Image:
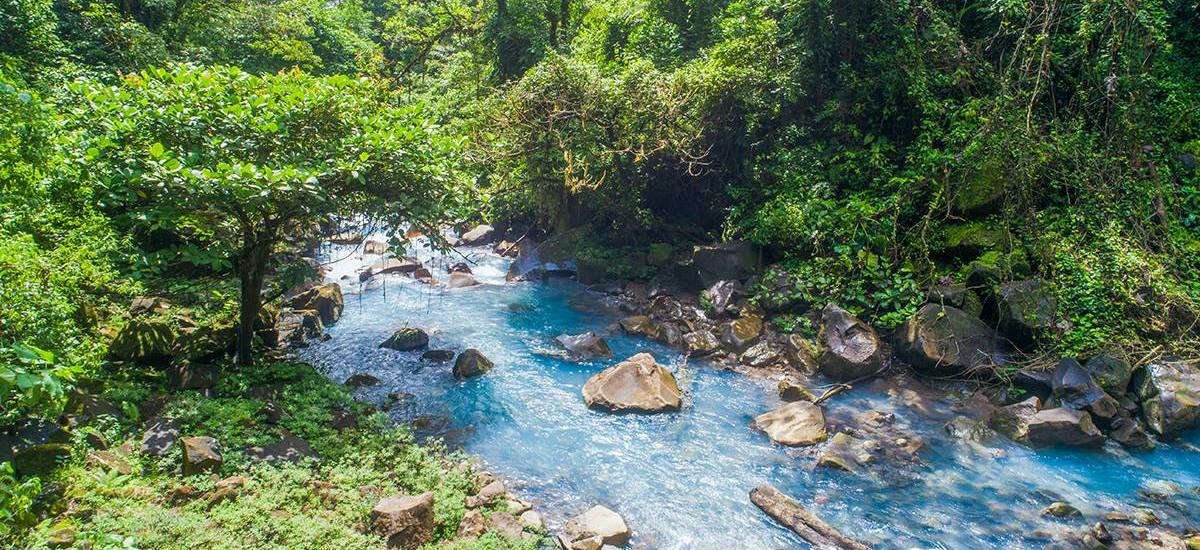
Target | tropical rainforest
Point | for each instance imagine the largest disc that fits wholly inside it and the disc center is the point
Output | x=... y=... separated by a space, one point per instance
x=868 y=150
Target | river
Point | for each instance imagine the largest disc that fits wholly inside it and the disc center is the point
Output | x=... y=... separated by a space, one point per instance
x=681 y=480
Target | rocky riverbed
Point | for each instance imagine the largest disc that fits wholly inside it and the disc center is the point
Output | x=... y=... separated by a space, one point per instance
x=897 y=457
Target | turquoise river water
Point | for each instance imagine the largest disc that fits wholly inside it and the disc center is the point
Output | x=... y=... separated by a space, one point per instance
x=682 y=479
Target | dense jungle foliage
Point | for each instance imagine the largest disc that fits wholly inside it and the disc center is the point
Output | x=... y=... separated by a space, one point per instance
x=870 y=148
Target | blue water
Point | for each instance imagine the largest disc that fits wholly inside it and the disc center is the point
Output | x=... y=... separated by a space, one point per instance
x=682 y=479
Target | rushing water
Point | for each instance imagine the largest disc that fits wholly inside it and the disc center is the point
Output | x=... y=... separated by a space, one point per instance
x=682 y=479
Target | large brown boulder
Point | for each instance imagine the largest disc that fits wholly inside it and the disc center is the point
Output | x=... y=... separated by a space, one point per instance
x=596 y=527
x=796 y=423
x=325 y=299
x=850 y=348
x=641 y=325
x=944 y=340
x=636 y=384
x=1169 y=393
x=404 y=521
x=201 y=454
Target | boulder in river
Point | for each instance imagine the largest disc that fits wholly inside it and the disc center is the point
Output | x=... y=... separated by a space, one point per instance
x=471 y=363
x=597 y=527
x=361 y=379
x=1026 y=308
x=799 y=423
x=635 y=384
x=404 y=521
x=588 y=345
x=407 y=339
x=325 y=299
x=850 y=348
x=1169 y=392
x=479 y=235
x=944 y=340
x=437 y=356
x=386 y=266
x=1025 y=423
x=461 y=280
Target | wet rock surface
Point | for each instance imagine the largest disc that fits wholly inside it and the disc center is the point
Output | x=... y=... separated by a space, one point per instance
x=638 y=384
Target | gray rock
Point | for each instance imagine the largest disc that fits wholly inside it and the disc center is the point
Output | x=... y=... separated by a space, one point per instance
x=597 y=522
x=471 y=363
x=1169 y=392
x=437 y=356
x=407 y=339
x=1026 y=308
x=943 y=340
x=361 y=379
x=402 y=265
x=723 y=294
x=188 y=376
x=798 y=423
x=850 y=348
x=289 y=448
x=462 y=280
x=479 y=235
x=1073 y=387
x=1111 y=372
x=1024 y=423
x=159 y=436
x=588 y=345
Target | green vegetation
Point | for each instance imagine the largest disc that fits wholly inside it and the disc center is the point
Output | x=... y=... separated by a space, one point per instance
x=872 y=149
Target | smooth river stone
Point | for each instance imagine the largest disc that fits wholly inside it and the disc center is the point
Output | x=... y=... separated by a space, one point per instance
x=635 y=384
x=795 y=424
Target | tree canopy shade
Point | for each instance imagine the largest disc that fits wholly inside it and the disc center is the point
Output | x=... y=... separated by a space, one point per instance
x=246 y=160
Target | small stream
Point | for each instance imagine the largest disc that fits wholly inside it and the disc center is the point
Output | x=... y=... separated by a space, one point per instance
x=681 y=480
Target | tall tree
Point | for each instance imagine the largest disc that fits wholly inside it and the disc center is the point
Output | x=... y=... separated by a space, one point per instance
x=244 y=160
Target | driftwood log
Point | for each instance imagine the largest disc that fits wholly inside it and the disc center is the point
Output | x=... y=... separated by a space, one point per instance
x=792 y=515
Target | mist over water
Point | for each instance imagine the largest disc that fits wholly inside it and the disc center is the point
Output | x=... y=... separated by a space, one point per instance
x=681 y=480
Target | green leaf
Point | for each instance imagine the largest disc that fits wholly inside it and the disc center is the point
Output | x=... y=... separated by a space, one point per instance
x=156 y=150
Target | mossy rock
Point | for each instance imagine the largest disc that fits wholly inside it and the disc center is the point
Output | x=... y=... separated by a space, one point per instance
x=659 y=254
x=974 y=238
x=207 y=342
x=37 y=460
x=980 y=190
x=1026 y=308
x=144 y=339
x=407 y=339
x=994 y=266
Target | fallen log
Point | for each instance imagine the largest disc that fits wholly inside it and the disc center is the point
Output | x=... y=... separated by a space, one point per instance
x=792 y=515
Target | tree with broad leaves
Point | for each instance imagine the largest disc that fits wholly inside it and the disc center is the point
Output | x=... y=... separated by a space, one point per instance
x=248 y=160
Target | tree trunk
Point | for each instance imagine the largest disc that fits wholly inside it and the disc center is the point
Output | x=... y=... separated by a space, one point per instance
x=252 y=267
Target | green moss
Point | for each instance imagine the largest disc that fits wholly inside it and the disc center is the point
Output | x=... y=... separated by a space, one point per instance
x=975 y=238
